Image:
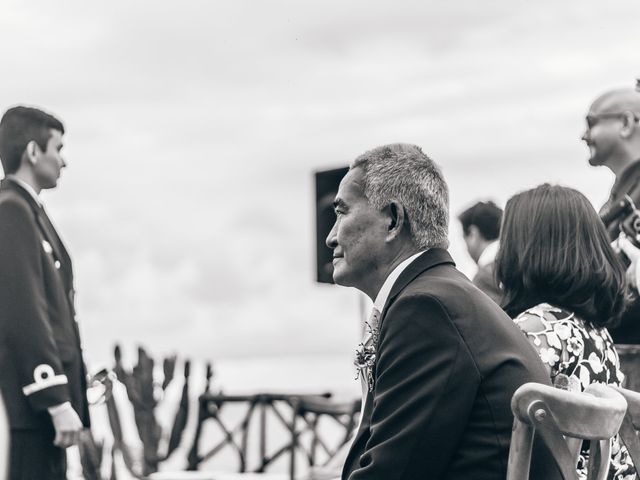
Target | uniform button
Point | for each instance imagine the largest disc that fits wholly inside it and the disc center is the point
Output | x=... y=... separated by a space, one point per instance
x=57 y=264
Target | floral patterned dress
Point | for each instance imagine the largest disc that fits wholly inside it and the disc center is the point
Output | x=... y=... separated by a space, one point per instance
x=568 y=345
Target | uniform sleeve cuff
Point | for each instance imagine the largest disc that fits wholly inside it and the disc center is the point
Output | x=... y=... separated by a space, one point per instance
x=56 y=409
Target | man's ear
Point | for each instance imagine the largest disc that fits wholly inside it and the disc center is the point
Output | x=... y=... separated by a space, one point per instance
x=628 y=124
x=474 y=232
x=396 y=215
x=32 y=152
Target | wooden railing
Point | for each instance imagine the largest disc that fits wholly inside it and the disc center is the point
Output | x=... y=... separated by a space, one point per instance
x=251 y=435
x=300 y=415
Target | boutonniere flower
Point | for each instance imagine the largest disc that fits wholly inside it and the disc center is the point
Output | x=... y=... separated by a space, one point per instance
x=365 y=360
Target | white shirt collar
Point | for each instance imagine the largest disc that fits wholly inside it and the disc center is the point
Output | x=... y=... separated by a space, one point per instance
x=489 y=254
x=27 y=187
x=385 y=290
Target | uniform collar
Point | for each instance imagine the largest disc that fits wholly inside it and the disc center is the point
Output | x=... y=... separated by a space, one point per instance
x=26 y=187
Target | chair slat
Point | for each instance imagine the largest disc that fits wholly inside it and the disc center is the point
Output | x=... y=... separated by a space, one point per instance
x=631 y=423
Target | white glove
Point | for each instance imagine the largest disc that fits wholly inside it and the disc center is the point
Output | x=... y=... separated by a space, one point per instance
x=67 y=424
x=633 y=253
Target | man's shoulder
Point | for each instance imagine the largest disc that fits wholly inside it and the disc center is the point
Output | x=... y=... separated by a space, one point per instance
x=443 y=282
x=486 y=270
x=461 y=300
x=486 y=281
x=445 y=290
x=12 y=202
x=428 y=280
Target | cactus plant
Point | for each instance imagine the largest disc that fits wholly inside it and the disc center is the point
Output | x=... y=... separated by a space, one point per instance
x=141 y=392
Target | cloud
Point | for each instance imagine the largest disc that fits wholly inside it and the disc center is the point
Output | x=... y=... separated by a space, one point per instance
x=193 y=130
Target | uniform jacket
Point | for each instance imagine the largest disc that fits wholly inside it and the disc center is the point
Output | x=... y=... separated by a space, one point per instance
x=448 y=362
x=40 y=353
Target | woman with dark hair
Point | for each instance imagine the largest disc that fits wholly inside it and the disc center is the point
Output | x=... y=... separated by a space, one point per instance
x=564 y=285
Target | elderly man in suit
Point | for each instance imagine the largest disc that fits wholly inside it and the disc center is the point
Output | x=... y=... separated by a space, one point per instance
x=442 y=360
x=43 y=375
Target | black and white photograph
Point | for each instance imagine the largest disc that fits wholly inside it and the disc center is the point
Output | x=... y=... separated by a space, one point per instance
x=282 y=240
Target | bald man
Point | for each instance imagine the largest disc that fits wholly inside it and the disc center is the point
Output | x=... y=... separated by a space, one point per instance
x=613 y=138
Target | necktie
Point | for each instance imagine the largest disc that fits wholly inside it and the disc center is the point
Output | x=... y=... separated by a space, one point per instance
x=369 y=343
x=371 y=326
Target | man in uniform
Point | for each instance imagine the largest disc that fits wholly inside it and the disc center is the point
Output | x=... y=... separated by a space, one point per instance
x=43 y=380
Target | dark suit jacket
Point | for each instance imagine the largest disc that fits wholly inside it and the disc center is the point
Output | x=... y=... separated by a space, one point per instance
x=448 y=363
x=40 y=350
x=628 y=331
x=485 y=280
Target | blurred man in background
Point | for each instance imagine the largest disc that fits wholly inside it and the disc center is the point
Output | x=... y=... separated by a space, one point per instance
x=43 y=375
x=481 y=229
x=613 y=138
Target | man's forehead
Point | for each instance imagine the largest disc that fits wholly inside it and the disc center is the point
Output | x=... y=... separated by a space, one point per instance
x=617 y=101
x=56 y=136
x=352 y=184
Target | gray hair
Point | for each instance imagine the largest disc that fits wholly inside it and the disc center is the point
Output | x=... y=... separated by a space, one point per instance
x=403 y=173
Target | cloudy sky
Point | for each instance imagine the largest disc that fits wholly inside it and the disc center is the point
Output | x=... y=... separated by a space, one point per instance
x=194 y=128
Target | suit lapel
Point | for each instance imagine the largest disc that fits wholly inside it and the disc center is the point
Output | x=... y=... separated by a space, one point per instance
x=52 y=236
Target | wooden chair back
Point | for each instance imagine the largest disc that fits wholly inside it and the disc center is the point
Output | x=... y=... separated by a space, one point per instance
x=631 y=424
x=563 y=420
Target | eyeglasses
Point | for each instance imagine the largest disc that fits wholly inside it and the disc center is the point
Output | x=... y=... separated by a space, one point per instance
x=592 y=120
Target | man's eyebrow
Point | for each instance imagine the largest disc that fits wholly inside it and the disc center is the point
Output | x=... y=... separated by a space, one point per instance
x=338 y=202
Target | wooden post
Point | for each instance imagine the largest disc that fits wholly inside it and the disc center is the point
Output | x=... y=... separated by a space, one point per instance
x=520 y=451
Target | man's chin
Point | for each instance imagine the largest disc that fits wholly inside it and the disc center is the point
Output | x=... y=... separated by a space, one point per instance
x=339 y=278
x=595 y=162
x=46 y=183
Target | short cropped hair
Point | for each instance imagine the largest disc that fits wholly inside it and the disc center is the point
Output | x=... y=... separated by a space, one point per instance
x=19 y=126
x=486 y=216
x=555 y=249
x=403 y=173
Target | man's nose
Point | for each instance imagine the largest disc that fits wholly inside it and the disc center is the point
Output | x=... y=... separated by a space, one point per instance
x=585 y=135
x=332 y=240
x=63 y=164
